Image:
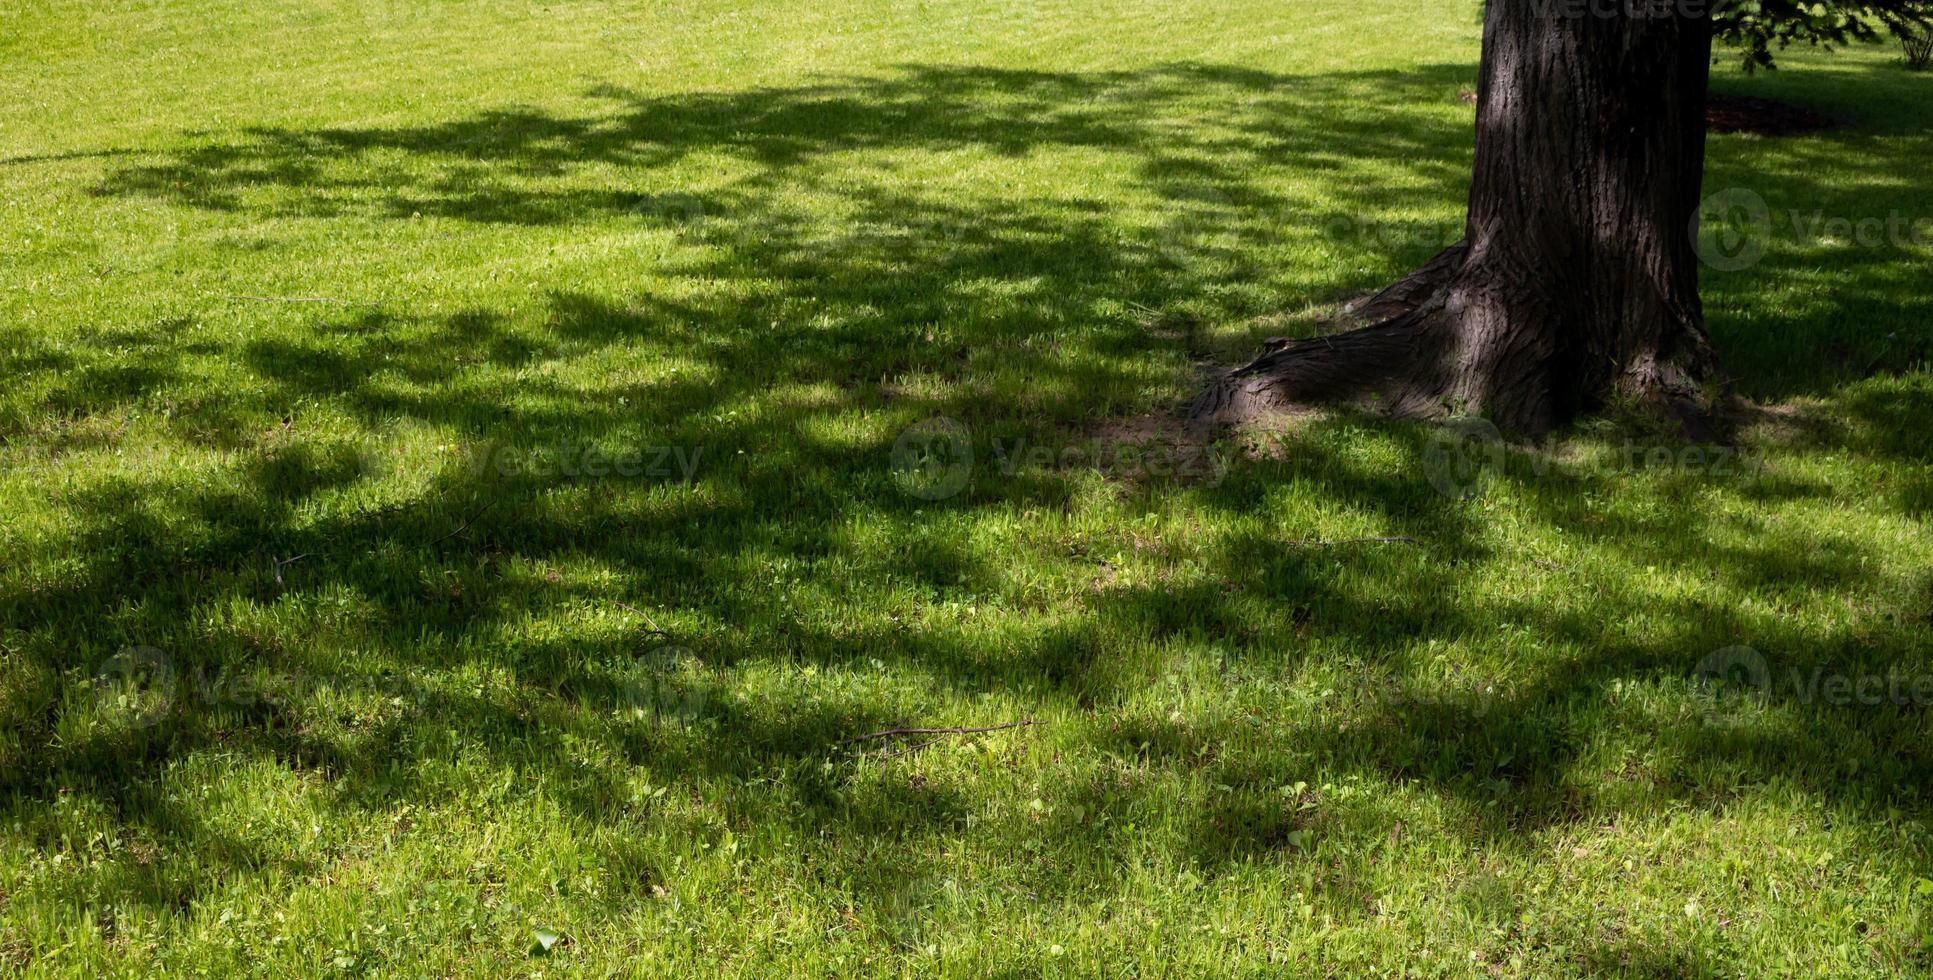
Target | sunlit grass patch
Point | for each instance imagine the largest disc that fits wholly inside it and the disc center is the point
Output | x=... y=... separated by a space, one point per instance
x=478 y=472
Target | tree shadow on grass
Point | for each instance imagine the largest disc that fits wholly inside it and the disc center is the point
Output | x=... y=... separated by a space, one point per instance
x=471 y=169
x=489 y=595
x=1839 y=296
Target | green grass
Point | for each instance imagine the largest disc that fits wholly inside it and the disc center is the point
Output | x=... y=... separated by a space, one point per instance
x=284 y=282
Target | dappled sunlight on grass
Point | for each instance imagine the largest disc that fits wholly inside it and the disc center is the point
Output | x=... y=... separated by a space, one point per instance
x=434 y=523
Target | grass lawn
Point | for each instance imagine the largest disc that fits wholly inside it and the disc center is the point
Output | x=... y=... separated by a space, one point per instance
x=459 y=499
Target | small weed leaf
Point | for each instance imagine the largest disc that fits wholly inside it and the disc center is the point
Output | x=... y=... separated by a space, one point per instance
x=545 y=941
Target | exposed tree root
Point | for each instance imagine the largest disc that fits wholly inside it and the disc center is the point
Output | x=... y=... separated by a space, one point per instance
x=1362 y=365
x=1413 y=290
x=1382 y=361
x=1440 y=342
x=1576 y=285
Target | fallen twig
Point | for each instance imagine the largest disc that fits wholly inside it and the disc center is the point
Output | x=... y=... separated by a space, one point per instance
x=280 y=562
x=909 y=750
x=893 y=732
x=1334 y=544
x=648 y=621
x=460 y=528
x=465 y=526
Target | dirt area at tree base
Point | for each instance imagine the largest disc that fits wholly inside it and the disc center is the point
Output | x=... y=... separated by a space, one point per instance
x=1745 y=114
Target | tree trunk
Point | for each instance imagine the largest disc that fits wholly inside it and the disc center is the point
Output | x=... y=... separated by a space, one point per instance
x=1577 y=279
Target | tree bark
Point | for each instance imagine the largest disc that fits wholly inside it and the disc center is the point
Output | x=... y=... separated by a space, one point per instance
x=1576 y=283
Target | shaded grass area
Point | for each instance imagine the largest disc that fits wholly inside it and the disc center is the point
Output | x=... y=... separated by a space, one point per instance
x=300 y=452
